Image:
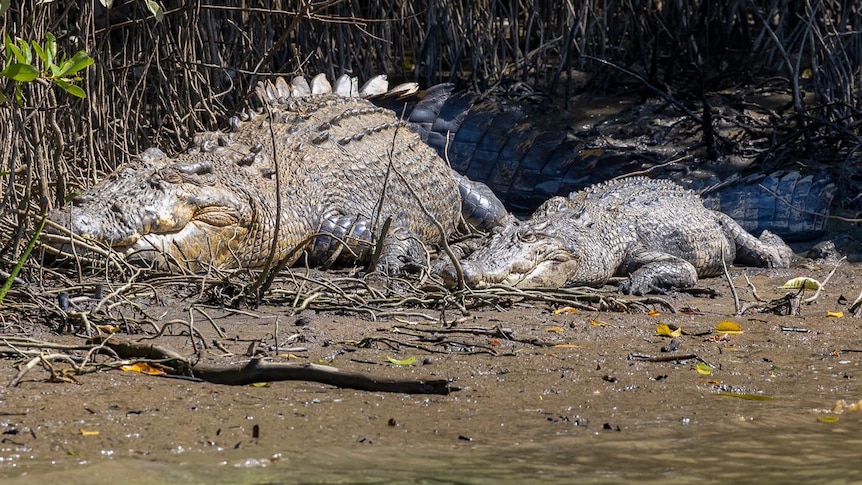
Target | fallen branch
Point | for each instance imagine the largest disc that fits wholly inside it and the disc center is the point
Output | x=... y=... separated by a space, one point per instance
x=258 y=370
x=814 y=297
x=856 y=307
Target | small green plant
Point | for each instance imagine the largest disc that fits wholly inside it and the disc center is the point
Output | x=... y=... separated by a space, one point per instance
x=21 y=65
x=7 y=285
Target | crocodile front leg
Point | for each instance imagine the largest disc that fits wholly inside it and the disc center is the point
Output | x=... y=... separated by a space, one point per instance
x=655 y=272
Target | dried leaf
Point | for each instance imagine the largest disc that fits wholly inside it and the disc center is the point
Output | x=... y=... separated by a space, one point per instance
x=835 y=314
x=653 y=313
x=801 y=282
x=748 y=397
x=494 y=342
x=566 y=309
x=728 y=327
x=703 y=368
x=567 y=346
x=668 y=330
x=108 y=328
x=85 y=432
x=260 y=384
x=143 y=368
x=408 y=361
x=598 y=323
x=554 y=329
x=827 y=419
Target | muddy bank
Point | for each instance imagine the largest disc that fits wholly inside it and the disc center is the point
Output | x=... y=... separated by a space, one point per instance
x=526 y=406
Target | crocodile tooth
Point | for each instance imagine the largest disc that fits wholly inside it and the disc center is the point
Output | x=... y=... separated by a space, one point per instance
x=299 y=87
x=374 y=87
x=320 y=85
x=282 y=88
x=342 y=86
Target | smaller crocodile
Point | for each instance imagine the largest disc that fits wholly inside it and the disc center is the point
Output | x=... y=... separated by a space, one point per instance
x=527 y=149
x=655 y=232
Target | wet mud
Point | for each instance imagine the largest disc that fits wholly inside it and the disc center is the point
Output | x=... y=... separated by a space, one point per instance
x=556 y=395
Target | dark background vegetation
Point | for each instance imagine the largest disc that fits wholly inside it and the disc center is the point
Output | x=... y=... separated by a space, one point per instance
x=155 y=83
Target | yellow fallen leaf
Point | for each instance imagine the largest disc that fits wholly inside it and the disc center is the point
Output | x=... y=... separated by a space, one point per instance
x=407 y=361
x=801 y=282
x=554 y=329
x=653 y=313
x=827 y=419
x=108 y=328
x=260 y=384
x=835 y=314
x=143 y=368
x=84 y=432
x=568 y=346
x=728 y=327
x=289 y=355
x=668 y=330
x=565 y=309
x=702 y=368
x=598 y=323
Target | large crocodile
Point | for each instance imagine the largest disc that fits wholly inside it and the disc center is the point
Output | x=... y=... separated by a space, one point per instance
x=318 y=168
x=654 y=232
x=529 y=150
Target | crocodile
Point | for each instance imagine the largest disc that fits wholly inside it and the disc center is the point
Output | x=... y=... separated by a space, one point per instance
x=317 y=172
x=654 y=232
x=526 y=151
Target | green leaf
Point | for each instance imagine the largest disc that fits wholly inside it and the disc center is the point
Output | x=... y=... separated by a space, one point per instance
x=20 y=72
x=12 y=49
x=25 y=51
x=50 y=48
x=4 y=6
x=156 y=9
x=9 y=54
x=40 y=52
x=3 y=100
x=69 y=87
x=407 y=361
x=71 y=67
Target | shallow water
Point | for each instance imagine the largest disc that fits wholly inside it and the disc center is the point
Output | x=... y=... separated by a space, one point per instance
x=799 y=449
